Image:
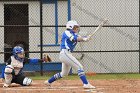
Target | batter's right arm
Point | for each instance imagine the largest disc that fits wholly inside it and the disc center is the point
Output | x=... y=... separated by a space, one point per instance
x=76 y=37
x=84 y=38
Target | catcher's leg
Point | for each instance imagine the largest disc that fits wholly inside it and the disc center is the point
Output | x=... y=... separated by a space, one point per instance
x=64 y=72
x=22 y=80
x=8 y=75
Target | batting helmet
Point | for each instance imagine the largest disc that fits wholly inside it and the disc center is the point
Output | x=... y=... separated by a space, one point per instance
x=71 y=24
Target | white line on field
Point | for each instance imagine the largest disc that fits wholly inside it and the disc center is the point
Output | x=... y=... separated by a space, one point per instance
x=28 y=88
x=11 y=89
x=19 y=89
x=49 y=87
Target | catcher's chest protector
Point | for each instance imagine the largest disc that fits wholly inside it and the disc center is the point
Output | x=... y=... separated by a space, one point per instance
x=16 y=64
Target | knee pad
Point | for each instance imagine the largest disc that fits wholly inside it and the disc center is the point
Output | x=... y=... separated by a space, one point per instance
x=81 y=72
x=27 y=81
x=9 y=69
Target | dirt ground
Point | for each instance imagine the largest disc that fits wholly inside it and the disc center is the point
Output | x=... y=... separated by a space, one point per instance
x=75 y=86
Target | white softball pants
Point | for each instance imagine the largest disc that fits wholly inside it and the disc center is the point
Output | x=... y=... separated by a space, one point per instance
x=68 y=61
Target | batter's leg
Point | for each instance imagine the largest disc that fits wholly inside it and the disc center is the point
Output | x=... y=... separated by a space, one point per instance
x=69 y=59
x=74 y=63
x=64 y=72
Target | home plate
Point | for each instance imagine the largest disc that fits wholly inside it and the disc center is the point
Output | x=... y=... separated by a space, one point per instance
x=94 y=90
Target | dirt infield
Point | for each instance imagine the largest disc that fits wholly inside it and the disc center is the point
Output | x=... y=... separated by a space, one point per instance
x=75 y=86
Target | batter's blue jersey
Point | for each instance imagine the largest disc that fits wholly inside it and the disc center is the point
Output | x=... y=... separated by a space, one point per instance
x=66 y=43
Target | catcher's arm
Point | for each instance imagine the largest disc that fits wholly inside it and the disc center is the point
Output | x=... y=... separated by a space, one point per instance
x=46 y=58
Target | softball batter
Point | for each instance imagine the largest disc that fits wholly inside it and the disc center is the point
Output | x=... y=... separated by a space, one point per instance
x=68 y=43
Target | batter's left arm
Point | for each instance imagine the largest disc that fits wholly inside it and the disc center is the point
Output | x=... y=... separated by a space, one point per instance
x=83 y=38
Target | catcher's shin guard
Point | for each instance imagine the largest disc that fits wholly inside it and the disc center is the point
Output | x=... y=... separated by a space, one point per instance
x=8 y=74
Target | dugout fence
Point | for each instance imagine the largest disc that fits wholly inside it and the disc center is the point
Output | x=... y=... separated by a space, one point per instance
x=38 y=24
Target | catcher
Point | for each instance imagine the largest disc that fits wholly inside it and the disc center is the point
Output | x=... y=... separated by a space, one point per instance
x=13 y=72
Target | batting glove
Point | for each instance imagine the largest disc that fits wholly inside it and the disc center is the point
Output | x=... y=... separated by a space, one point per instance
x=86 y=38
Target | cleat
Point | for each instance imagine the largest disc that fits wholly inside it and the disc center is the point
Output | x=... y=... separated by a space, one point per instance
x=47 y=83
x=88 y=86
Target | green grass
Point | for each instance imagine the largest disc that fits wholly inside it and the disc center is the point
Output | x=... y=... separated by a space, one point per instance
x=95 y=77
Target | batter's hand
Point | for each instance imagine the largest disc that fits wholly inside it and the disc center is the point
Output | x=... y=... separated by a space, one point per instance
x=86 y=38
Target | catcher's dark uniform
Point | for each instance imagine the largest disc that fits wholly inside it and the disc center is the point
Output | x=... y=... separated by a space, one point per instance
x=17 y=72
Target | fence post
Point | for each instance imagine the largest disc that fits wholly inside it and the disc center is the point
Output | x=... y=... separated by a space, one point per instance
x=41 y=39
x=139 y=36
x=69 y=10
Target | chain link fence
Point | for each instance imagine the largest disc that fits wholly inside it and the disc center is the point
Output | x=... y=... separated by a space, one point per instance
x=38 y=25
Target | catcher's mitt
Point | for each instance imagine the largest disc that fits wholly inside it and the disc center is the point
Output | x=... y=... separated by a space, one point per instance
x=46 y=58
